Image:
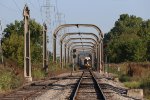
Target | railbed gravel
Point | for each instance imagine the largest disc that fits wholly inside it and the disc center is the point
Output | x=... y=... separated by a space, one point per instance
x=110 y=94
x=60 y=90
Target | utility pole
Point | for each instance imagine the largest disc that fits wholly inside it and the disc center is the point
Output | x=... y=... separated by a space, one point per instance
x=27 y=55
x=45 y=64
x=1 y=52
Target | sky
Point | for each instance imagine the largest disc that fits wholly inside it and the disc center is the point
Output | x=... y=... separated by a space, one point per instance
x=102 y=13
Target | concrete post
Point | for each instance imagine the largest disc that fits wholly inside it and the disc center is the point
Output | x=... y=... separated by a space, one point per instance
x=61 y=64
x=45 y=63
x=65 y=55
x=100 y=60
x=54 y=49
x=98 y=56
x=97 y=50
x=102 y=57
x=93 y=59
x=68 y=55
x=1 y=52
x=27 y=56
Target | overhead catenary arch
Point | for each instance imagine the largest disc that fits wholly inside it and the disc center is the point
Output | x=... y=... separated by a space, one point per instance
x=82 y=42
x=75 y=33
x=85 y=48
x=78 y=33
x=77 y=25
x=100 y=45
x=91 y=51
x=72 y=43
x=70 y=39
x=72 y=25
x=82 y=46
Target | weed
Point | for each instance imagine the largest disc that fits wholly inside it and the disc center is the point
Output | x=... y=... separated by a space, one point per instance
x=124 y=78
x=9 y=80
x=132 y=85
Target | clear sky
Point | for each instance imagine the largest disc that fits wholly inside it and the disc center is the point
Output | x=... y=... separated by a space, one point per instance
x=102 y=13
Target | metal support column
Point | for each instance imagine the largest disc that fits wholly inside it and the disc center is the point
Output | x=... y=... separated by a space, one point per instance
x=27 y=56
x=45 y=63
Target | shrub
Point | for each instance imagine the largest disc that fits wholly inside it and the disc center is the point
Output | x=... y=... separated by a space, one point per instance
x=38 y=73
x=145 y=83
x=133 y=85
x=8 y=80
x=124 y=78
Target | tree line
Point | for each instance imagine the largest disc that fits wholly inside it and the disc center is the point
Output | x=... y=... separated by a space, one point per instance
x=128 y=40
x=13 y=42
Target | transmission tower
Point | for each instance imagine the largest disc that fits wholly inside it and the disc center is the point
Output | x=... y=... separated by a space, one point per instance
x=47 y=7
x=47 y=10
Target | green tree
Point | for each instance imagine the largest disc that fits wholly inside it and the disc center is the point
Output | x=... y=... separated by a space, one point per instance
x=13 y=41
x=128 y=40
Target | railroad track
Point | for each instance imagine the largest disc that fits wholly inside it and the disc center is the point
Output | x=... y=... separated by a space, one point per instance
x=118 y=90
x=31 y=90
x=87 y=88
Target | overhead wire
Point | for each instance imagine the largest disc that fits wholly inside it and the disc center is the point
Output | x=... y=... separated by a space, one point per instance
x=31 y=4
x=40 y=11
x=17 y=6
x=8 y=8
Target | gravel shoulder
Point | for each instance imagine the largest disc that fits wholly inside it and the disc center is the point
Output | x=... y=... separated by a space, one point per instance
x=115 y=88
x=60 y=90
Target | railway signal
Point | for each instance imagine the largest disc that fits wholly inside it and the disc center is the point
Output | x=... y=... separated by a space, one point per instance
x=74 y=56
x=74 y=50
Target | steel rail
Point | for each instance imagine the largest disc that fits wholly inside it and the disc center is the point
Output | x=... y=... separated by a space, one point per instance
x=77 y=88
x=74 y=95
x=99 y=88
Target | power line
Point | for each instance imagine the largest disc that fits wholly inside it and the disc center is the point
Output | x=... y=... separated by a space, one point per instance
x=32 y=4
x=40 y=10
x=17 y=6
x=9 y=8
x=56 y=6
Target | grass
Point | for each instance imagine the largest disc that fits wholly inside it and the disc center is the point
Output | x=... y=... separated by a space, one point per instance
x=9 y=80
x=38 y=73
x=11 y=76
x=53 y=69
x=132 y=85
x=124 y=78
x=133 y=75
